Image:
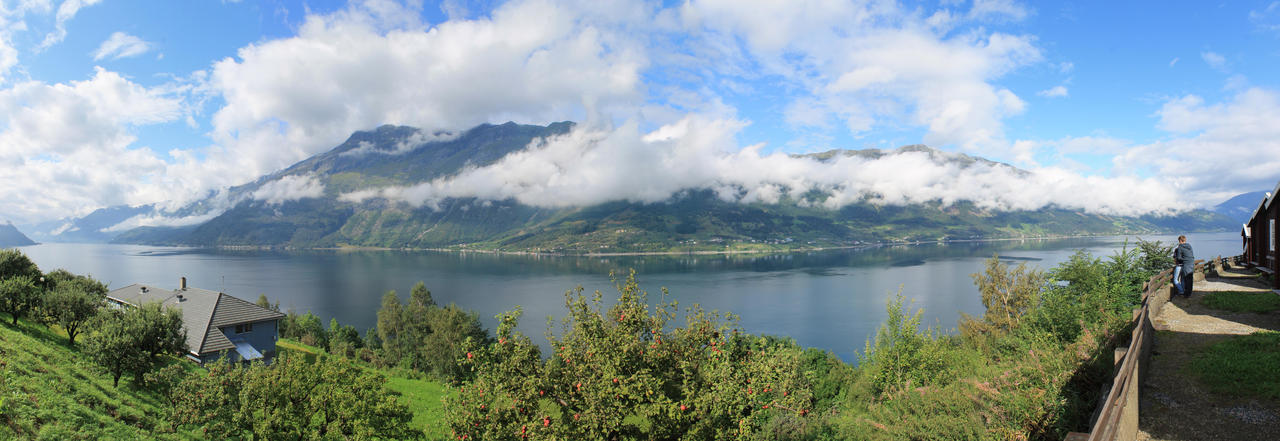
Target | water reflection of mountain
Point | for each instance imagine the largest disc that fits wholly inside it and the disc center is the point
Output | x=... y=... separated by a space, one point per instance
x=814 y=262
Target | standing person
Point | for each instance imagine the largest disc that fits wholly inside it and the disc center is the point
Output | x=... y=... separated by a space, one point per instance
x=1184 y=272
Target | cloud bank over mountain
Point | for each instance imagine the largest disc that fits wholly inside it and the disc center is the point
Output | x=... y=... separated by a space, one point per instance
x=592 y=166
x=704 y=93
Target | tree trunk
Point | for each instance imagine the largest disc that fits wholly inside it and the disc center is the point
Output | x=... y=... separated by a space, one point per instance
x=116 y=381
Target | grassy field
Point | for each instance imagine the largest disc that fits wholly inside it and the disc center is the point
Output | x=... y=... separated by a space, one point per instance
x=48 y=391
x=422 y=396
x=1242 y=366
x=1243 y=301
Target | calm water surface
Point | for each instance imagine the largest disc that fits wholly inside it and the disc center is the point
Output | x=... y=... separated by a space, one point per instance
x=832 y=300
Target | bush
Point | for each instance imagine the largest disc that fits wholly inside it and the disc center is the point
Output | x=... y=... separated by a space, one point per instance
x=621 y=373
x=329 y=398
x=903 y=356
x=1007 y=295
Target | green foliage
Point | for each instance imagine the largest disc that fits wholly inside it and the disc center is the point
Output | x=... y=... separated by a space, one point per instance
x=133 y=340
x=1088 y=290
x=425 y=337
x=305 y=328
x=1242 y=301
x=263 y=302
x=14 y=263
x=1241 y=366
x=329 y=398
x=18 y=295
x=1155 y=258
x=1007 y=295
x=72 y=301
x=343 y=340
x=48 y=389
x=621 y=373
x=903 y=356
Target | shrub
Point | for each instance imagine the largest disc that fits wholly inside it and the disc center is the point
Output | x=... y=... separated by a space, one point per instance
x=621 y=373
x=902 y=355
x=1007 y=295
x=329 y=398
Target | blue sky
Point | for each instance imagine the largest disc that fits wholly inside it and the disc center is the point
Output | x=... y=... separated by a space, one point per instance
x=1148 y=106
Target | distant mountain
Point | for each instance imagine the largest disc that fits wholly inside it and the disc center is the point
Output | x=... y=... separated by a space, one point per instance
x=695 y=219
x=1240 y=207
x=92 y=228
x=11 y=237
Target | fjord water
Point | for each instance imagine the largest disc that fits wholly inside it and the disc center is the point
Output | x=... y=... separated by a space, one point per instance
x=832 y=300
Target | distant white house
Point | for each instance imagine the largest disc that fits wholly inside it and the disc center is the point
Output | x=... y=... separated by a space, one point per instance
x=217 y=324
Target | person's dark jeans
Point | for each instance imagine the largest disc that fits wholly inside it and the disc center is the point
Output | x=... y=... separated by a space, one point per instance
x=1187 y=280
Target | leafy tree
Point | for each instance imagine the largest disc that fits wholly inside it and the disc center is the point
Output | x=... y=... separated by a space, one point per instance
x=452 y=326
x=343 y=340
x=19 y=294
x=159 y=331
x=292 y=399
x=113 y=345
x=1007 y=294
x=71 y=302
x=1155 y=258
x=391 y=328
x=903 y=355
x=307 y=329
x=420 y=296
x=14 y=263
x=263 y=302
x=621 y=373
x=132 y=340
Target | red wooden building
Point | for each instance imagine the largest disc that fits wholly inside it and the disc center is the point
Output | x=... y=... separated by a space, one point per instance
x=1259 y=236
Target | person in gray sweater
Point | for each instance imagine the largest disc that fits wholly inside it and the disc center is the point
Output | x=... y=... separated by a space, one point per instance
x=1184 y=272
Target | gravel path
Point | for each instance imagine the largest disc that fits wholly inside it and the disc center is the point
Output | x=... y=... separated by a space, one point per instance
x=1173 y=405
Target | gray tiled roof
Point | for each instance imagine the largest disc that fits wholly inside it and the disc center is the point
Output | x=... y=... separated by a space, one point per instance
x=203 y=312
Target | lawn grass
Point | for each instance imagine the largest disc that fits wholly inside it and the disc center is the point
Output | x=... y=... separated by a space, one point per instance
x=1242 y=301
x=1241 y=366
x=49 y=391
x=422 y=396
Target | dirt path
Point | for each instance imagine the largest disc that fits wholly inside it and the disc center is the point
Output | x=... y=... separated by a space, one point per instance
x=1174 y=405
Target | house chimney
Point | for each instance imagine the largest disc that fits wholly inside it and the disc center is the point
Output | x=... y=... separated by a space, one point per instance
x=182 y=283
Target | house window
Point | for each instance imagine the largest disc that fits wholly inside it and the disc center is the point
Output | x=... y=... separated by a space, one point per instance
x=243 y=328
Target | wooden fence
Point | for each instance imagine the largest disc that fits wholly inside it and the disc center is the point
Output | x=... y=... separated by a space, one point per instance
x=1118 y=415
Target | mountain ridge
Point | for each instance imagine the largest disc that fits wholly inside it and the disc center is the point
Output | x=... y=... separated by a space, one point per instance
x=10 y=236
x=692 y=219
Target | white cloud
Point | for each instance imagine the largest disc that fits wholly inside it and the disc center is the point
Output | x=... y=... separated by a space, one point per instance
x=1214 y=149
x=12 y=20
x=531 y=61
x=594 y=165
x=158 y=220
x=68 y=148
x=1173 y=61
x=417 y=139
x=289 y=188
x=1268 y=18
x=121 y=45
x=66 y=11
x=1214 y=60
x=1002 y=9
x=872 y=64
x=1054 y=92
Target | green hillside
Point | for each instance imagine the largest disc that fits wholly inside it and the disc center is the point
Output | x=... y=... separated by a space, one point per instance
x=48 y=391
x=693 y=220
x=11 y=237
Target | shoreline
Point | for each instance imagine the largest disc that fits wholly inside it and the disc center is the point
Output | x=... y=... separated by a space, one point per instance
x=668 y=253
